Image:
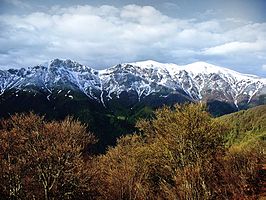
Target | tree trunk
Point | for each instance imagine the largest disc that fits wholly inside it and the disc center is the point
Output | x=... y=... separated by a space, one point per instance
x=46 y=195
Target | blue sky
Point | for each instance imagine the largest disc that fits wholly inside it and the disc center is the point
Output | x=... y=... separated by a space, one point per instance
x=101 y=33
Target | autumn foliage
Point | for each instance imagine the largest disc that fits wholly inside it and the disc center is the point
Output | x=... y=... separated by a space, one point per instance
x=179 y=154
x=42 y=160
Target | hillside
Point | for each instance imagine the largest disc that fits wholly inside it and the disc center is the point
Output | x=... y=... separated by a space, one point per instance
x=248 y=126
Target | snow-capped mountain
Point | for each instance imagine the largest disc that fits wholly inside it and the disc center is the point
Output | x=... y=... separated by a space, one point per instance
x=196 y=81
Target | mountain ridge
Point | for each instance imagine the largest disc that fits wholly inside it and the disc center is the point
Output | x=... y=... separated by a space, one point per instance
x=199 y=81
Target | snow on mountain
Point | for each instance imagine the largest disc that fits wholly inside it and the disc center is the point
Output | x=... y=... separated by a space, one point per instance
x=52 y=75
x=198 y=81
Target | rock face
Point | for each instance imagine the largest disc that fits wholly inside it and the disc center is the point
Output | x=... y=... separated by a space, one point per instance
x=137 y=82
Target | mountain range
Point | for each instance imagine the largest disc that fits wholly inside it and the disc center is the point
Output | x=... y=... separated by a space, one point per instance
x=138 y=81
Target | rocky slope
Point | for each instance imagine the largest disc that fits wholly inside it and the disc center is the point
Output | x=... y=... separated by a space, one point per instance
x=198 y=81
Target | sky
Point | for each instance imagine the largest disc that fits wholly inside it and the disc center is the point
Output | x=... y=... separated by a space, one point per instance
x=102 y=33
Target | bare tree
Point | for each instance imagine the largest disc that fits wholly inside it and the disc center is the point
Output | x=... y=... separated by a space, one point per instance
x=47 y=156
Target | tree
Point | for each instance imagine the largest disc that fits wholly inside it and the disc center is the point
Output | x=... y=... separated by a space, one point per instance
x=174 y=158
x=44 y=156
x=186 y=143
x=124 y=170
x=180 y=154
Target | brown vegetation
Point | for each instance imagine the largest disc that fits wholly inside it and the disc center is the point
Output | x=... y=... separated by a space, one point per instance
x=42 y=160
x=180 y=154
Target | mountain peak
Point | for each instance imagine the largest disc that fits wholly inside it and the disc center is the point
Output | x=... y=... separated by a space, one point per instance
x=62 y=62
x=67 y=64
x=146 y=62
x=151 y=64
x=207 y=68
x=204 y=67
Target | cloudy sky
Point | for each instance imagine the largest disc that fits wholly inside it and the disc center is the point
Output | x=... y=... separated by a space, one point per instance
x=101 y=33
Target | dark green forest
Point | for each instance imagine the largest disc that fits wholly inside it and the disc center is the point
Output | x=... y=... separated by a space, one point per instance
x=118 y=117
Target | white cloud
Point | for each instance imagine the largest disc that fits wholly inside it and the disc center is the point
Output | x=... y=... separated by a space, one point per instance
x=106 y=35
x=236 y=47
x=263 y=67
